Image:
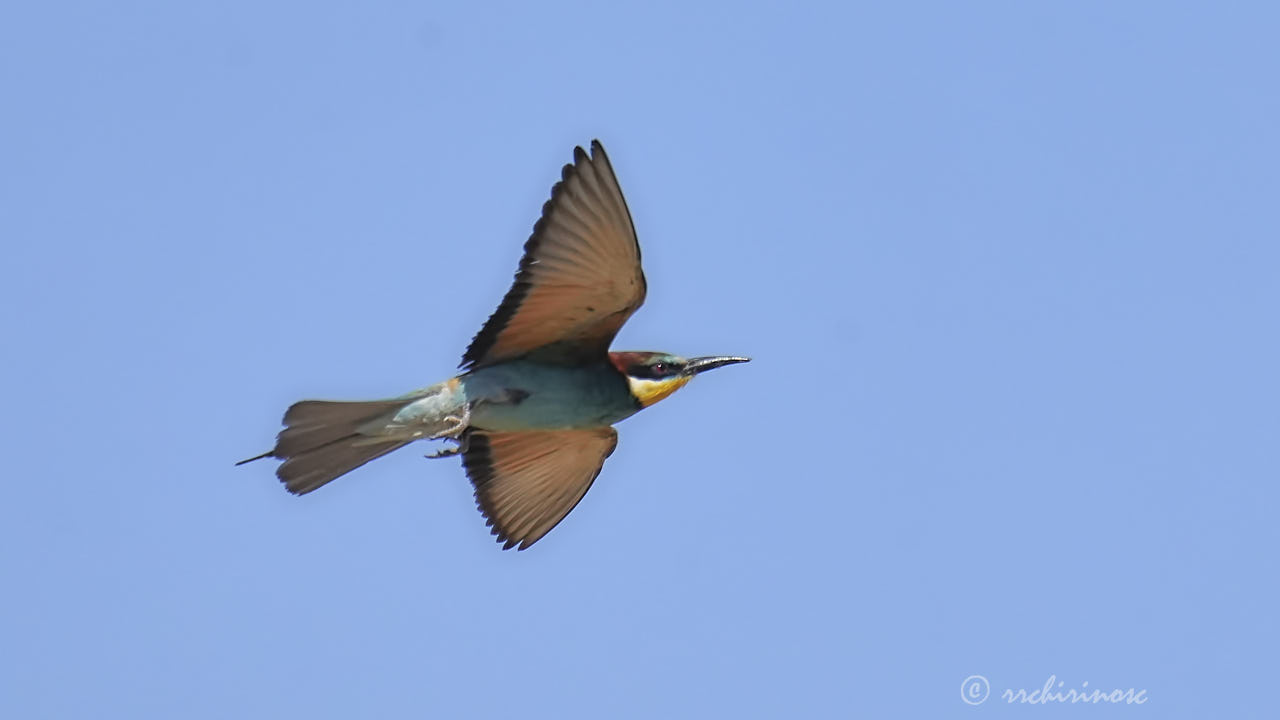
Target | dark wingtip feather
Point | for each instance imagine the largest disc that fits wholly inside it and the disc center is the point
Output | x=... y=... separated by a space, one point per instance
x=598 y=153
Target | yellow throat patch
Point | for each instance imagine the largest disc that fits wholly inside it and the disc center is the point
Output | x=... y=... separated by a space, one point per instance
x=649 y=392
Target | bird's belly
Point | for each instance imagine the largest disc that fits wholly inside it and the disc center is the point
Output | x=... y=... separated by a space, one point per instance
x=527 y=396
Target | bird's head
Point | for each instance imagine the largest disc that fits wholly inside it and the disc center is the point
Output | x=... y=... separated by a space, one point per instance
x=652 y=376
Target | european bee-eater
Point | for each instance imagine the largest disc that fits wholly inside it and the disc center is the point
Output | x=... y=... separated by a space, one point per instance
x=532 y=412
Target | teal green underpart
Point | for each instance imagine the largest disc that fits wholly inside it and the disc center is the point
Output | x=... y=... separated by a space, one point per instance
x=523 y=395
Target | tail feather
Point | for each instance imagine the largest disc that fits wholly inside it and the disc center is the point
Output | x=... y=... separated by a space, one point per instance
x=322 y=441
x=306 y=471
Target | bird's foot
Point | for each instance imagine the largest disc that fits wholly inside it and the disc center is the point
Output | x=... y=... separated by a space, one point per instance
x=459 y=439
x=445 y=452
x=456 y=425
x=453 y=433
x=451 y=451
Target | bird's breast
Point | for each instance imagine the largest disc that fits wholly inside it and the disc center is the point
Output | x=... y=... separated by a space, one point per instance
x=523 y=395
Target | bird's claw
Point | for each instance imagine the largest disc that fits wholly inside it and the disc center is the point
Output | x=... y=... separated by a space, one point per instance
x=458 y=438
x=444 y=452
x=458 y=424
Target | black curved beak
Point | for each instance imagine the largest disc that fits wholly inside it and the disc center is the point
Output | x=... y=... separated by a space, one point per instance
x=703 y=364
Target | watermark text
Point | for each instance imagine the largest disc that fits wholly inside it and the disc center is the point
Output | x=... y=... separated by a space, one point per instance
x=976 y=689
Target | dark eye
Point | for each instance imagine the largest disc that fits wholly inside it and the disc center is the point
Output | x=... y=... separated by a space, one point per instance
x=659 y=368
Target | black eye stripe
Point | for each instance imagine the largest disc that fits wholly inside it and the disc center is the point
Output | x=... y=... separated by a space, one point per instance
x=655 y=371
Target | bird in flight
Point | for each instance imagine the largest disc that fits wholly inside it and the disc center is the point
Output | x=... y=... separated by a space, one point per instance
x=532 y=412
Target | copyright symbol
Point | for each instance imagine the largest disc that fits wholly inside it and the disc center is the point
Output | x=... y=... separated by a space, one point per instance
x=974 y=690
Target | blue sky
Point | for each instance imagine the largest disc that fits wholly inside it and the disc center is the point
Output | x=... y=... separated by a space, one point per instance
x=1009 y=273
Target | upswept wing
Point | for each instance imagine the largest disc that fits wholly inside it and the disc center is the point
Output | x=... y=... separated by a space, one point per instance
x=580 y=277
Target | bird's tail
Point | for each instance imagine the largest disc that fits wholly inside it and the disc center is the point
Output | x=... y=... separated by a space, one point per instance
x=322 y=440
